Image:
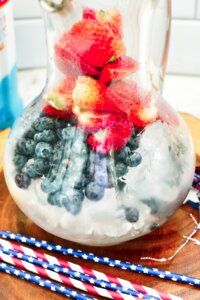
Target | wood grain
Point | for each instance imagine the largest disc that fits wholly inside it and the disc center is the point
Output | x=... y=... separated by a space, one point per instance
x=161 y=243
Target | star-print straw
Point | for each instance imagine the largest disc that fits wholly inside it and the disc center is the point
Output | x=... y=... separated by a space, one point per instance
x=119 y=264
x=27 y=265
x=196 y=182
x=60 y=289
x=82 y=269
x=123 y=292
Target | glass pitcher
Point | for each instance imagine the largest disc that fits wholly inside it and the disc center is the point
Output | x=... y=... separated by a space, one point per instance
x=99 y=157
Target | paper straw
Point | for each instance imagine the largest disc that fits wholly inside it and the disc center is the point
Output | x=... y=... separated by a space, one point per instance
x=76 y=275
x=17 y=261
x=167 y=275
x=60 y=289
x=82 y=269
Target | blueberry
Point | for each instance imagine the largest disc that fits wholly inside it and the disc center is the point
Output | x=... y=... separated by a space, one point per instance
x=43 y=123
x=30 y=147
x=80 y=148
x=79 y=145
x=84 y=181
x=75 y=182
x=30 y=133
x=21 y=147
x=121 y=169
x=134 y=142
x=68 y=133
x=58 y=153
x=51 y=187
x=75 y=179
x=46 y=186
x=57 y=199
x=123 y=153
x=94 y=191
x=31 y=171
x=22 y=180
x=132 y=214
x=43 y=150
x=134 y=159
x=78 y=162
x=121 y=184
x=42 y=166
x=111 y=181
x=74 y=201
x=20 y=161
x=45 y=136
x=59 y=123
x=152 y=204
x=59 y=133
x=101 y=177
x=90 y=168
x=80 y=136
x=26 y=147
x=99 y=160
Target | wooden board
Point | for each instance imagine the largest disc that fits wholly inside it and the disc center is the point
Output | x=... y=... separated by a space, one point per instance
x=161 y=243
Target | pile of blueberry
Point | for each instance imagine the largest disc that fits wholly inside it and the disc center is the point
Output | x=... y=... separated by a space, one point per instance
x=56 y=151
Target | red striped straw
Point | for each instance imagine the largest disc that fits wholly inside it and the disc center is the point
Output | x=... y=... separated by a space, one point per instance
x=70 y=282
x=87 y=271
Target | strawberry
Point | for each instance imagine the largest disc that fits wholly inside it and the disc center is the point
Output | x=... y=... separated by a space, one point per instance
x=134 y=101
x=90 y=94
x=127 y=95
x=93 y=43
x=69 y=62
x=66 y=86
x=50 y=111
x=91 y=121
x=110 y=18
x=61 y=96
x=118 y=69
x=145 y=115
x=89 y=14
x=114 y=137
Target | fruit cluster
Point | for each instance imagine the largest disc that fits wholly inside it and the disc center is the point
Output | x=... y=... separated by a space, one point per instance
x=97 y=88
x=96 y=109
x=57 y=152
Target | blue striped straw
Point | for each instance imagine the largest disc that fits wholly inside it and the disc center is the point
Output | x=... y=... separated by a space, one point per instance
x=185 y=279
x=50 y=285
x=75 y=275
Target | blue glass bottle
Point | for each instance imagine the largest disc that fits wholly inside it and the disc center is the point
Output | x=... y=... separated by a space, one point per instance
x=10 y=102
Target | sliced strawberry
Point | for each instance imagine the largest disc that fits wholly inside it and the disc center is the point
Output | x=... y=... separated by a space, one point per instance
x=134 y=101
x=50 y=111
x=127 y=95
x=69 y=62
x=145 y=115
x=66 y=86
x=93 y=43
x=61 y=96
x=91 y=121
x=110 y=18
x=92 y=95
x=118 y=69
x=114 y=137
